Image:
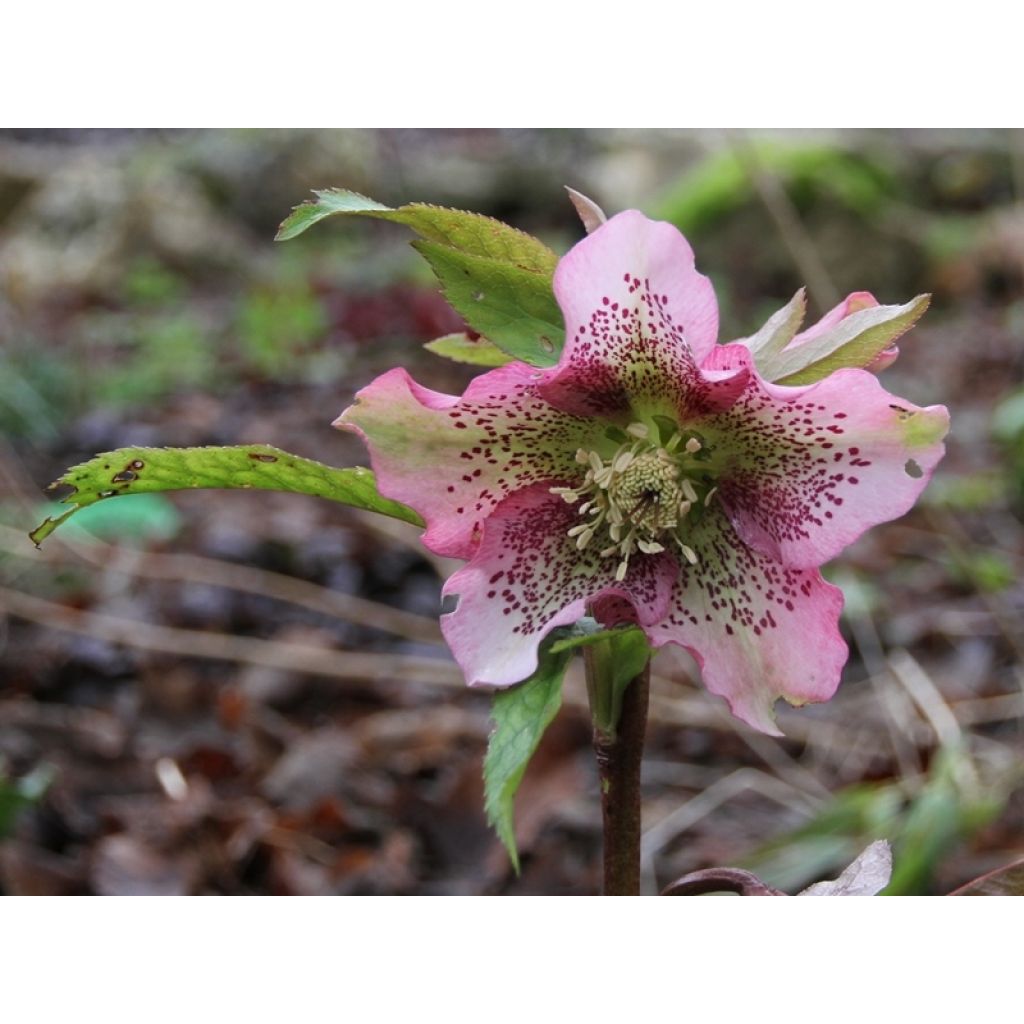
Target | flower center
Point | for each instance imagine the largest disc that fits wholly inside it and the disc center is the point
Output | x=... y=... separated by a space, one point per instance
x=642 y=496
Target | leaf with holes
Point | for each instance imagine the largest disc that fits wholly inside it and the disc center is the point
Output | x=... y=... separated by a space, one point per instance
x=259 y=467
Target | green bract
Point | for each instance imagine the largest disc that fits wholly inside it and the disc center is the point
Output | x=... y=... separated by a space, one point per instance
x=497 y=278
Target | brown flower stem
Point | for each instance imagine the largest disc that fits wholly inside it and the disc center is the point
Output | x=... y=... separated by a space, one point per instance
x=618 y=746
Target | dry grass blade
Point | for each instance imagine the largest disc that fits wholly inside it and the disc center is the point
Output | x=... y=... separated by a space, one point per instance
x=688 y=814
x=291 y=657
x=243 y=578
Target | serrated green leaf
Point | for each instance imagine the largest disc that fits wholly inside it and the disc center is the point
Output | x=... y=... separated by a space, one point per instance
x=779 y=330
x=328 y=202
x=138 y=517
x=521 y=715
x=498 y=278
x=854 y=342
x=461 y=348
x=139 y=470
x=512 y=307
x=472 y=233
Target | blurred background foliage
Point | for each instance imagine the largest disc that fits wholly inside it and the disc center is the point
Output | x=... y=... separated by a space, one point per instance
x=142 y=301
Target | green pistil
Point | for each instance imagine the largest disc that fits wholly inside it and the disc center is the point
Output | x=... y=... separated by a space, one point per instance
x=641 y=497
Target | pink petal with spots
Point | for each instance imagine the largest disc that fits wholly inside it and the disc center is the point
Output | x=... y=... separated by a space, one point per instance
x=454 y=459
x=853 y=303
x=759 y=630
x=527 y=577
x=639 y=320
x=806 y=470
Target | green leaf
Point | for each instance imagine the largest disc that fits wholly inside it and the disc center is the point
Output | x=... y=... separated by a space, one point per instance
x=630 y=653
x=1008 y=418
x=461 y=348
x=138 y=470
x=139 y=517
x=615 y=658
x=471 y=233
x=328 y=201
x=521 y=715
x=584 y=632
x=854 y=342
x=497 y=278
x=779 y=329
x=514 y=308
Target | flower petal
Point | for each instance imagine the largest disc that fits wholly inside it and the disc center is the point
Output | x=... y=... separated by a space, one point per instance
x=454 y=459
x=527 y=577
x=853 y=303
x=809 y=469
x=639 y=319
x=759 y=630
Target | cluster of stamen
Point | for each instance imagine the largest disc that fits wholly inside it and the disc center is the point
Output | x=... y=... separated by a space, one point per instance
x=639 y=498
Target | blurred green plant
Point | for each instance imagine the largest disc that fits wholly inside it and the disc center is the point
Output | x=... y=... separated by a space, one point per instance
x=170 y=353
x=33 y=385
x=924 y=821
x=968 y=491
x=721 y=184
x=985 y=570
x=277 y=327
x=138 y=518
x=1008 y=431
x=16 y=795
x=150 y=283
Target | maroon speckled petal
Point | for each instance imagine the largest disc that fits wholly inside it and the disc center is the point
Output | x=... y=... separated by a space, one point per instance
x=527 y=577
x=639 y=320
x=454 y=459
x=759 y=630
x=805 y=471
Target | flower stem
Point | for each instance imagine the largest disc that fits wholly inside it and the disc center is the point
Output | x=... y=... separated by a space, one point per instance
x=618 y=746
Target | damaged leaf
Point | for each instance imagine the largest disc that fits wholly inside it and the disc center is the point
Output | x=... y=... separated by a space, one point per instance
x=259 y=467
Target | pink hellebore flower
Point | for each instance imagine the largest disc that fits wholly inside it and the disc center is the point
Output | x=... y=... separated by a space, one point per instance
x=654 y=467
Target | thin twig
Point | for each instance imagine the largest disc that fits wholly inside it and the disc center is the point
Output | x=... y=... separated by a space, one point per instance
x=243 y=578
x=790 y=227
x=693 y=810
x=869 y=645
x=290 y=657
x=926 y=696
